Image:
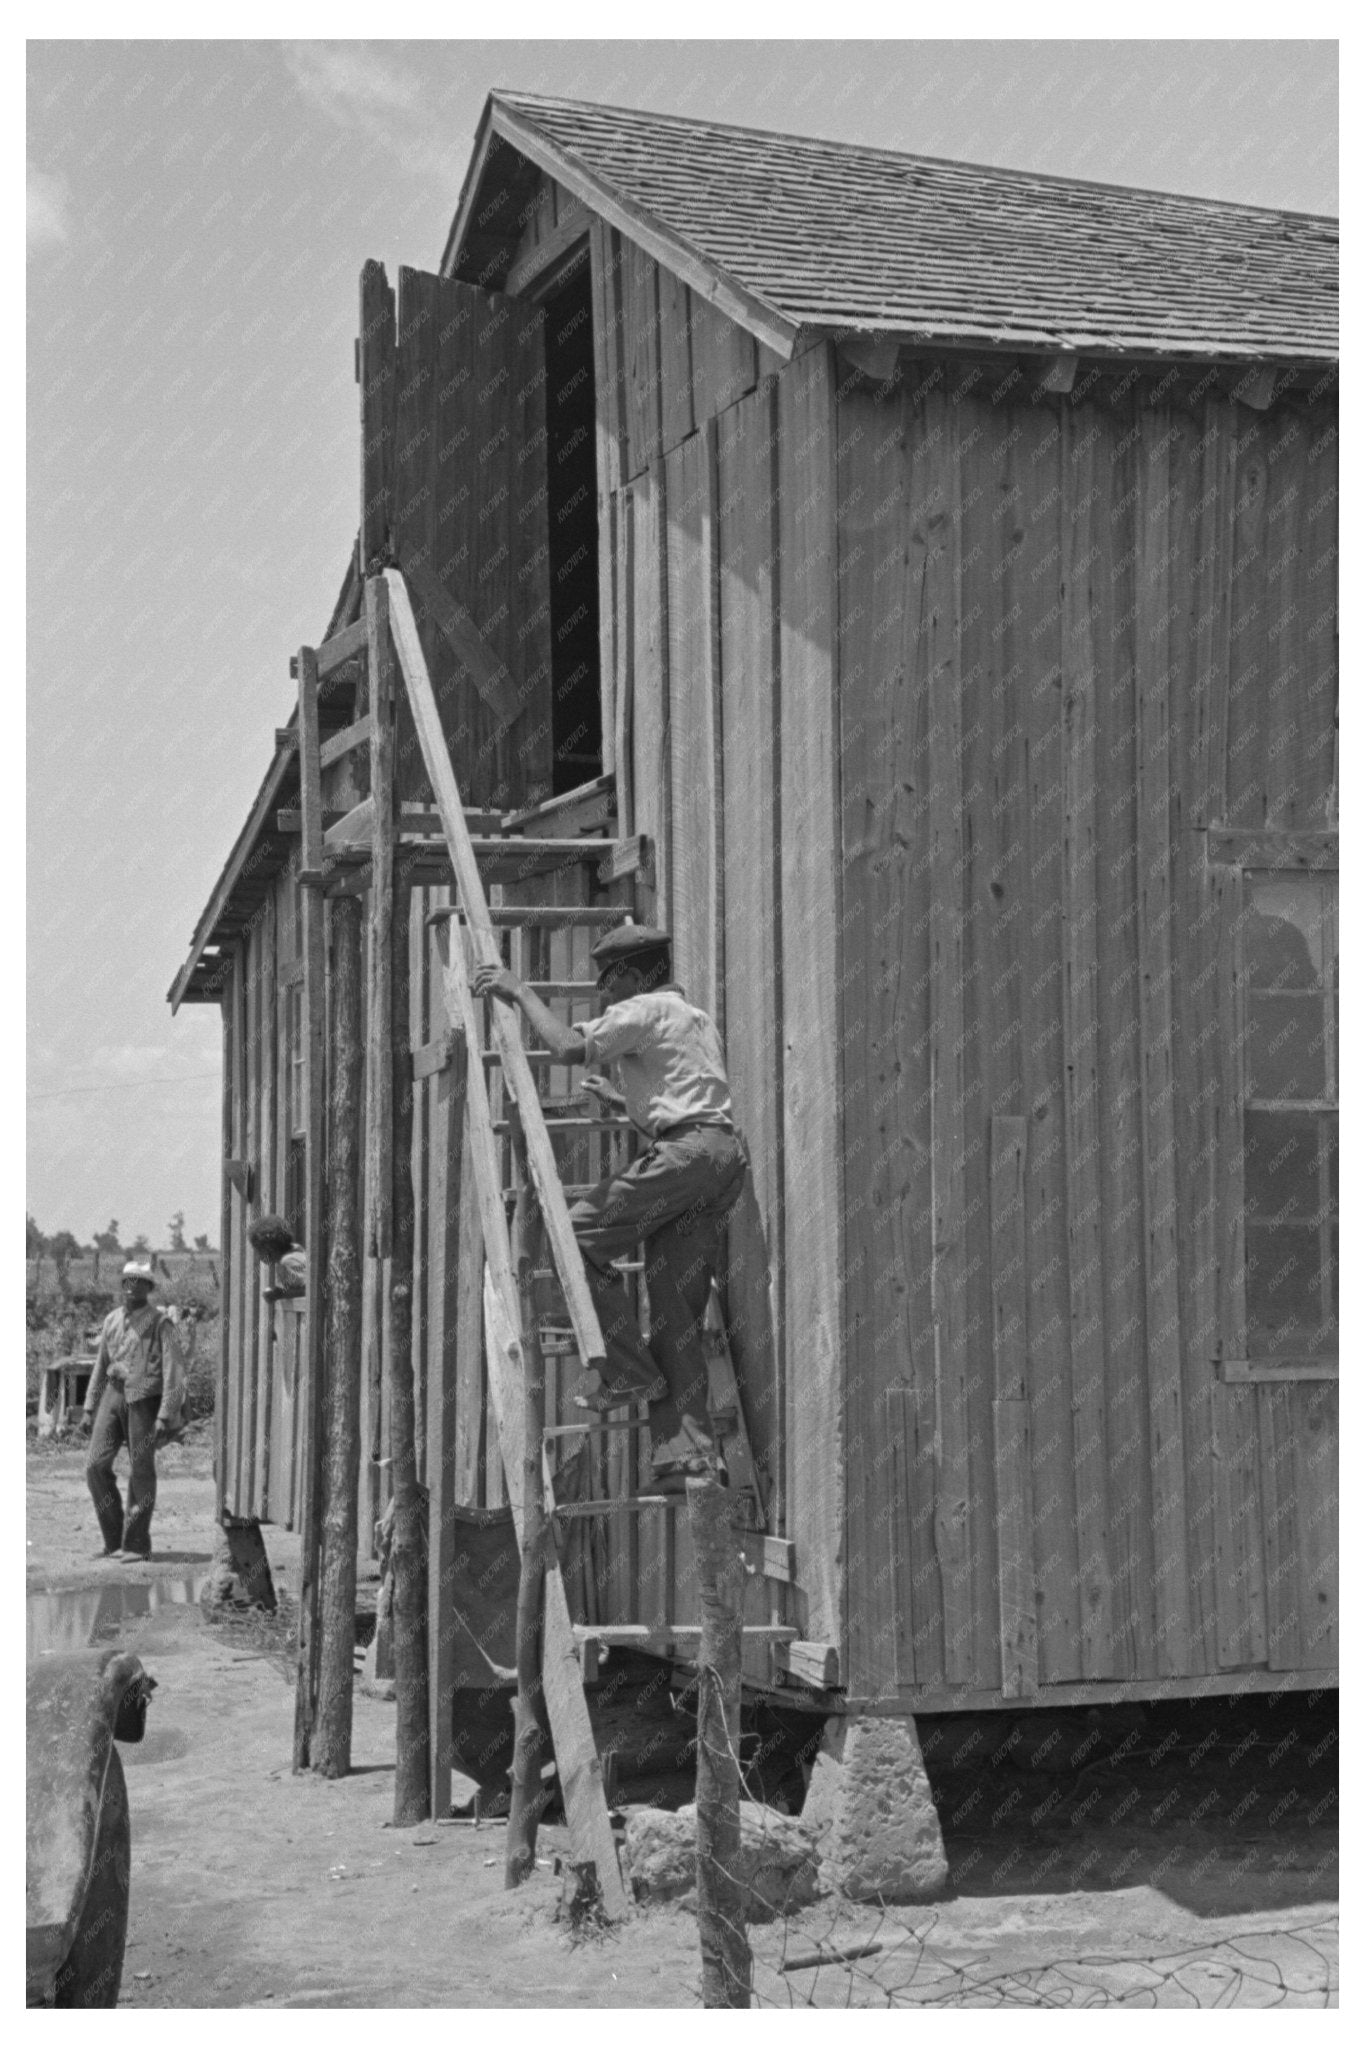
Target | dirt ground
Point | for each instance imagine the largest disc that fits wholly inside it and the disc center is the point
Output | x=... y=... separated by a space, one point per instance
x=1180 y=1857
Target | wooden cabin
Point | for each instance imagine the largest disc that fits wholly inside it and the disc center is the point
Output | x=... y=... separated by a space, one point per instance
x=927 y=575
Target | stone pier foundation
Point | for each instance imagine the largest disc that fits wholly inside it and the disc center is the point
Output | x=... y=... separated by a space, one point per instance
x=871 y=1811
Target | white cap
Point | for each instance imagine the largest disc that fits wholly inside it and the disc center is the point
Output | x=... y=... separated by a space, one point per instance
x=135 y=1271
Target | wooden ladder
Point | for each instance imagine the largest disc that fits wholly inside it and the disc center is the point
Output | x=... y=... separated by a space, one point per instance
x=471 y=941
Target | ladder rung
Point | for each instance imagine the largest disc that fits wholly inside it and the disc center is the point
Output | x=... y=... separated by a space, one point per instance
x=592 y=1428
x=644 y=1631
x=621 y=1265
x=548 y=916
x=579 y=1510
x=576 y=1123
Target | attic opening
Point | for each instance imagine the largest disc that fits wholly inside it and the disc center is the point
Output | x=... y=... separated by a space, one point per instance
x=570 y=418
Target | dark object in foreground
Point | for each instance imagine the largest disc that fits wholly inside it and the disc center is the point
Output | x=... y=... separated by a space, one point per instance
x=78 y=1832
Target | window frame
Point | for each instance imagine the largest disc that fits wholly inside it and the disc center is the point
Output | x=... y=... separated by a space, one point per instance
x=1246 y=855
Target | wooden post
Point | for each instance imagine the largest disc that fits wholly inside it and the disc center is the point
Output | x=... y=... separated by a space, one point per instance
x=315 y=1026
x=532 y=1744
x=340 y=1424
x=726 y=1960
x=379 y=1147
x=412 y=1774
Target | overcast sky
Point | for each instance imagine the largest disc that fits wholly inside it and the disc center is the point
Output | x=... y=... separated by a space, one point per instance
x=197 y=217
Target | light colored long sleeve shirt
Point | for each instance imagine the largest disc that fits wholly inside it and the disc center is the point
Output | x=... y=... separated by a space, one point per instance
x=140 y=1350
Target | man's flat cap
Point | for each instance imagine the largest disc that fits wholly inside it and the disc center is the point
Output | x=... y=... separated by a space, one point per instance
x=624 y=940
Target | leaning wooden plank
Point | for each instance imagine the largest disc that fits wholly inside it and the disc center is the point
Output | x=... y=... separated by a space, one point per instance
x=485 y=951
x=1010 y=1412
x=1153 y=725
x=576 y=1758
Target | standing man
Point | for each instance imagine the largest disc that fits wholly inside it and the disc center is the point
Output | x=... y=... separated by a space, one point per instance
x=666 y=1056
x=135 y=1396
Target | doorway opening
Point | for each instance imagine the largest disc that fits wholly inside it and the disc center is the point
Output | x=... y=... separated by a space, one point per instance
x=571 y=428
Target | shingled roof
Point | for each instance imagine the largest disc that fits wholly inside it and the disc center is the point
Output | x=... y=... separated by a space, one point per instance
x=796 y=233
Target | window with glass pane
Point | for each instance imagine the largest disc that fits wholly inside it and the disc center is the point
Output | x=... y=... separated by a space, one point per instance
x=1289 y=1126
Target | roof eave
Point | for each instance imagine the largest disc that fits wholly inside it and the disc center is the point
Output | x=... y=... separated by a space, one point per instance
x=746 y=308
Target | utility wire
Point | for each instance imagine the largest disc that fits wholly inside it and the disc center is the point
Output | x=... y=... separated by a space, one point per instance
x=109 y=1087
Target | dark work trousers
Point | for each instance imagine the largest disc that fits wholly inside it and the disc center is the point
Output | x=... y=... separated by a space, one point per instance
x=120 y=1421
x=672 y=1198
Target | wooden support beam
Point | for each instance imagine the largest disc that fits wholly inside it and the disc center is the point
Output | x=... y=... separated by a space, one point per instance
x=1058 y=373
x=442 y=1417
x=379 y=1149
x=1257 y=388
x=806 y=1663
x=340 y=1423
x=726 y=1960
x=559 y=251
x=315 y=1039
x=872 y=355
x=412 y=1764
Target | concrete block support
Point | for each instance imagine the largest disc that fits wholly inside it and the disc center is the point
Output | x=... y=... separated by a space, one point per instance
x=872 y=1814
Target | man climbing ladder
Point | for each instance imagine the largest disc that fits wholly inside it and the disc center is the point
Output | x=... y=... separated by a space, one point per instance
x=666 y=1055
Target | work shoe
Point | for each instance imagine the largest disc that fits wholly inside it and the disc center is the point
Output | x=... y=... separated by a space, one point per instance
x=134 y=1556
x=592 y=1392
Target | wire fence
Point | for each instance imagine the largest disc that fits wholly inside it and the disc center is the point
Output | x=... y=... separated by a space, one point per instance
x=842 y=1954
x=863 y=1958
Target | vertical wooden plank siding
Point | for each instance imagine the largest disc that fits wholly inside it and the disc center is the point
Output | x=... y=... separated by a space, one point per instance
x=888 y=1230
x=1152 y=713
x=981 y=726
x=1034 y=649
x=1316 y=596
x=1085 y=450
x=747 y=548
x=675 y=359
x=242 y=1330
x=604 y=259
x=696 y=769
x=1010 y=1412
x=812 y=1216
x=223 y=1391
x=1238 y=1523
x=1200 y=657
x=644 y=393
x=724 y=360
x=267 y=1204
x=1119 y=1125
x=650 y=678
x=937 y=660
